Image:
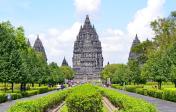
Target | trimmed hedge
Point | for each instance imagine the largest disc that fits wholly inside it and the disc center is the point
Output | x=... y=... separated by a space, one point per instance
x=43 y=89
x=132 y=88
x=40 y=104
x=117 y=86
x=16 y=96
x=126 y=103
x=170 y=94
x=30 y=93
x=3 y=97
x=84 y=98
x=166 y=94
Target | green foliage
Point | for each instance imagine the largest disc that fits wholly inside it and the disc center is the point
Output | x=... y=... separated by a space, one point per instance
x=108 y=71
x=116 y=86
x=39 y=104
x=132 y=88
x=16 y=96
x=43 y=89
x=68 y=72
x=127 y=103
x=84 y=98
x=121 y=74
x=170 y=94
x=3 y=97
x=30 y=93
x=56 y=75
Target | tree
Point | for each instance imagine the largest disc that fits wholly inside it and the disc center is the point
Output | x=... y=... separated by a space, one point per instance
x=121 y=75
x=10 y=59
x=135 y=70
x=56 y=75
x=68 y=72
x=157 y=68
x=108 y=71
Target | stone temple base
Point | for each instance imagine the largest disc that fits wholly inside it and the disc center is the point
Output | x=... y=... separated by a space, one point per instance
x=79 y=78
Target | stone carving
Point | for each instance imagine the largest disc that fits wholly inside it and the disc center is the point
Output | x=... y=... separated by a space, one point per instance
x=87 y=54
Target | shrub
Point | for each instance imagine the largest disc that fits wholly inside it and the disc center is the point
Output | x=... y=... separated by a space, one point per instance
x=84 y=98
x=39 y=104
x=43 y=89
x=141 y=91
x=3 y=97
x=30 y=93
x=169 y=94
x=132 y=88
x=159 y=94
x=116 y=86
x=16 y=96
x=127 y=103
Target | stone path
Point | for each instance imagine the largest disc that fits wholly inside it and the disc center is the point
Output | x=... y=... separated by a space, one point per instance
x=162 y=105
x=109 y=105
x=4 y=106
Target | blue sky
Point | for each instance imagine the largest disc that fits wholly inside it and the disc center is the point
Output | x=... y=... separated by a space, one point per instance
x=57 y=22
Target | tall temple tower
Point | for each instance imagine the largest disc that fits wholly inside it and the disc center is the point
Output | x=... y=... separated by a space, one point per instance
x=133 y=55
x=87 y=54
x=38 y=46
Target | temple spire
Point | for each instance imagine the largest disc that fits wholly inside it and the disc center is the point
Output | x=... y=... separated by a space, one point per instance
x=64 y=62
x=87 y=23
x=38 y=46
x=28 y=43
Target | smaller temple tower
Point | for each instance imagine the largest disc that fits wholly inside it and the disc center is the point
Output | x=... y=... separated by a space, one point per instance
x=133 y=55
x=38 y=46
x=64 y=62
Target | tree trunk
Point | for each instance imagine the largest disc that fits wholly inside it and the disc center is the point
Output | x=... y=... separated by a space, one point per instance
x=5 y=86
x=159 y=84
x=12 y=85
x=39 y=84
x=32 y=84
x=175 y=82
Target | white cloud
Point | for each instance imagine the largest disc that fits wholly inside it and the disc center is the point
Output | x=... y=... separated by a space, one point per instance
x=116 y=43
x=142 y=18
x=58 y=43
x=87 y=6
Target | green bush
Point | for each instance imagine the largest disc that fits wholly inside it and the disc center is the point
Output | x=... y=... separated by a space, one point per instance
x=30 y=93
x=43 y=89
x=126 y=103
x=141 y=91
x=16 y=96
x=159 y=94
x=3 y=97
x=132 y=88
x=169 y=94
x=116 y=86
x=84 y=98
x=40 y=104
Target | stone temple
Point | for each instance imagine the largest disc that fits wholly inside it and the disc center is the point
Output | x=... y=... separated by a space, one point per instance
x=87 y=54
x=133 y=55
x=38 y=46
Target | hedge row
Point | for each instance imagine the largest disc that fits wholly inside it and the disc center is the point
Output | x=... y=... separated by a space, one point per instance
x=126 y=103
x=166 y=94
x=40 y=104
x=34 y=91
x=84 y=98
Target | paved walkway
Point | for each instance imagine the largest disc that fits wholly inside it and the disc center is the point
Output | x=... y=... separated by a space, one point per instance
x=162 y=105
x=4 y=106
